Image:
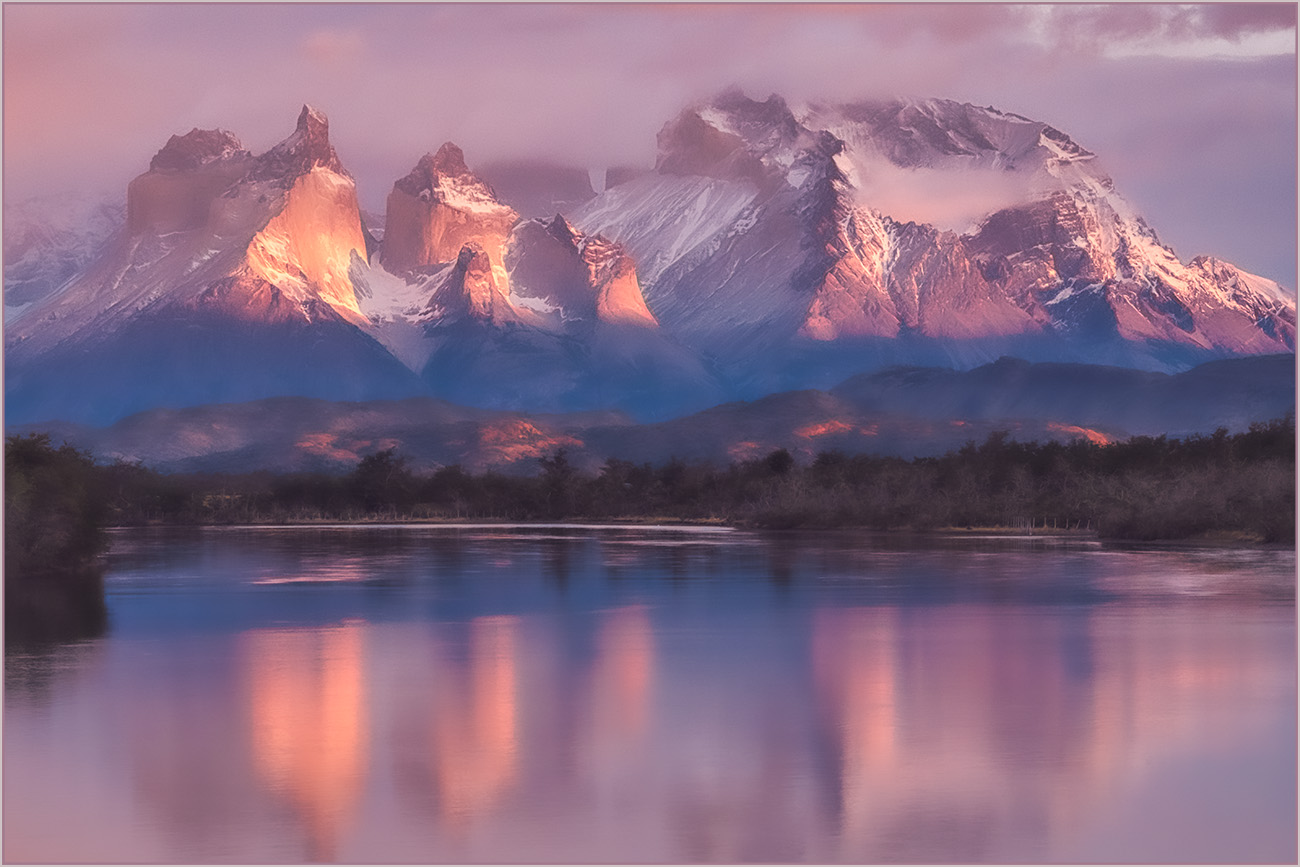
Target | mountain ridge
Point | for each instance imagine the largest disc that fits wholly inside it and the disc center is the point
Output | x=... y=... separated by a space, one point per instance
x=902 y=411
x=752 y=260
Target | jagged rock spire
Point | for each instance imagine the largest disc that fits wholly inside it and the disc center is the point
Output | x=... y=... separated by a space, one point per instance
x=195 y=148
x=314 y=127
x=426 y=178
x=470 y=289
x=450 y=160
x=308 y=147
x=438 y=207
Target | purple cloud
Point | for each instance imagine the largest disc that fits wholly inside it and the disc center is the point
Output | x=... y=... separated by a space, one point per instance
x=592 y=85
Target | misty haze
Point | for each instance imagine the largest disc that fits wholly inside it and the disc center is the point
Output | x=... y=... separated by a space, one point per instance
x=509 y=433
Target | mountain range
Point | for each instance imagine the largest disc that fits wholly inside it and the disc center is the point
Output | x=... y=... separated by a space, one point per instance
x=768 y=250
x=901 y=411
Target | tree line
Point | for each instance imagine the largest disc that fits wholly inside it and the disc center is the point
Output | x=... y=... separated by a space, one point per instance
x=1143 y=488
x=55 y=515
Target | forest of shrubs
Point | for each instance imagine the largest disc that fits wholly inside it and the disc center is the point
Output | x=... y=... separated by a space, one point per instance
x=1239 y=485
x=56 y=510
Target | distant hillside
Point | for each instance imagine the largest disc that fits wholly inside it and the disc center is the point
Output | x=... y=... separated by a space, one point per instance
x=906 y=412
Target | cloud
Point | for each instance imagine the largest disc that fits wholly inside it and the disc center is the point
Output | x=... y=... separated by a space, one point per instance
x=1172 y=30
x=332 y=47
x=91 y=92
x=949 y=199
x=1235 y=20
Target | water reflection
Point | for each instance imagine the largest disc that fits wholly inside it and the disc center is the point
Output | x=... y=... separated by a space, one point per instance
x=474 y=721
x=622 y=675
x=821 y=702
x=957 y=730
x=855 y=671
x=309 y=719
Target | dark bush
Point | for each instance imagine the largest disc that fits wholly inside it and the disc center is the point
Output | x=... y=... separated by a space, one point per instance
x=55 y=511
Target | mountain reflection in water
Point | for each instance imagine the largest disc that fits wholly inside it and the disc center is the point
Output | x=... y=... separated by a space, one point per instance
x=591 y=697
x=309 y=723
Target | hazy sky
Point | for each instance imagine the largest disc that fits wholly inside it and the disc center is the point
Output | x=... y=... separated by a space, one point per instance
x=1192 y=109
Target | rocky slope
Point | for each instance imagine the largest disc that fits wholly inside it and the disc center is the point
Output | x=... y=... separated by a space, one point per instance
x=759 y=229
x=503 y=313
x=772 y=248
x=50 y=240
x=229 y=281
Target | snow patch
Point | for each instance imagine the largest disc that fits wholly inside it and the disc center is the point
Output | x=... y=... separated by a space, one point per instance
x=661 y=218
x=468 y=194
x=386 y=295
x=538 y=305
x=1269 y=289
x=13 y=312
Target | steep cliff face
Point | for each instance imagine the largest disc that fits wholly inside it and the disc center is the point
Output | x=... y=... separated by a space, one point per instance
x=439 y=275
x=612 y=274
x=791 y=238
x=306 y=249
x=210 y=224
x=183 y=180
x=438 y=208
x=773 y=247
x=583 y=277
x=247 y=255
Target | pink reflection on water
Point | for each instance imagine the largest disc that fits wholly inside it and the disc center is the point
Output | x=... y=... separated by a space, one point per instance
x=956 y=733
x=309 y=718
x=474 y=724
x=855 y=672
x=960 y=733
x=622 y=675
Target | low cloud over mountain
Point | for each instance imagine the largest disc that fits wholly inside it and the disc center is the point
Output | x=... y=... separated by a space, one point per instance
x=766 y=251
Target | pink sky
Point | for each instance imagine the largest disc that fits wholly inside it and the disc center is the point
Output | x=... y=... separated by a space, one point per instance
x=1192 y=109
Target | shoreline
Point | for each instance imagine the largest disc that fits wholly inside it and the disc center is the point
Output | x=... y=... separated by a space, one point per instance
x=1218 y=539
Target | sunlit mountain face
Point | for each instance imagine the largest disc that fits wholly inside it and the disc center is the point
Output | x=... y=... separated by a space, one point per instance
x=773 y=247
x=229 y=280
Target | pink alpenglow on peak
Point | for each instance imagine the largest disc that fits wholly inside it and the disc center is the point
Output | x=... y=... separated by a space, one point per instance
x=618 y=293
x=210 y=224
x=438 y=208
x=776 y=246
x=307 y=148
x=766 y=220
x=306 y=248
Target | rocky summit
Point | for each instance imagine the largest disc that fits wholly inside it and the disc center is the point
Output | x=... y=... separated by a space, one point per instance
x=772 y=247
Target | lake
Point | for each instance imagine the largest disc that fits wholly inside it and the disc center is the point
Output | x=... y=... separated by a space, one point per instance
x=632 y=694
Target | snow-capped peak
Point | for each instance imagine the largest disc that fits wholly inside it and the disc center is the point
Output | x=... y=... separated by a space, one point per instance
x=944 y=134
x=1229 y=275
x=444 y=178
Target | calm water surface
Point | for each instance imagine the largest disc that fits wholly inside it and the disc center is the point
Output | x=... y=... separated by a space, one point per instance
x=568 y=694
